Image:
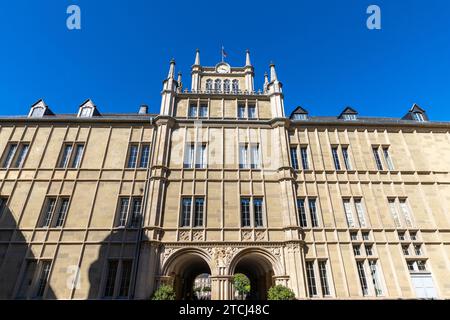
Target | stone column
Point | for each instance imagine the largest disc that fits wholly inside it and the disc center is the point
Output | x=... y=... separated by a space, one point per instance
x=221 y=287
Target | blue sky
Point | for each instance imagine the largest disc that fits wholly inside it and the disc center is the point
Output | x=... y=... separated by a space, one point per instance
x=325 y=55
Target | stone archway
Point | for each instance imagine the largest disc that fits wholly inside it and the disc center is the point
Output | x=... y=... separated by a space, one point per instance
x=260 y=267
x=181 y=269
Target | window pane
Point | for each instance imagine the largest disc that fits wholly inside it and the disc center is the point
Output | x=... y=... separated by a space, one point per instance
x=360 y=212
x=64 y=162
x=49 y=208
x=245 y=212
x=362 y=278
x=302 y=212
x=356 y=250
x=346 y=158
x=186 y=212
x=136 y=213
x=304 y=155
x=405 y=250
x=388 y=159
x=348 y=213
x=62 y=212
x=145 y=156
x=132 y=158
x=125 y=278
x=251 y=112
x=189 y=155
x=369 y=251
x=111 y=278
x=241 y=111
x=27 y=279
x=311 y=279
x=254 y=154
x=375 y=279
x=43 y=278
x=258 y=211
x=226 y=86
x=313 y=212
x=193 y=111
x=21 y=158
x=123 y=210
x=10 y=155
x=337 y=165
x=218 y=85
x=198 y=212
x=203 y=111
x=377 y=159
x=394 y=213
x=294 y=159
x=406 y=214
x=323 y=278
x=235 y=86
x=200 y=161
x=243 y=162
x=78 y=155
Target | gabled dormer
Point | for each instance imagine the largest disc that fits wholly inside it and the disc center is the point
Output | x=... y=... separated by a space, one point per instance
x=299 y=114
x=349 y=114
x=39 y=110
x=88 y=110
x=416 y=113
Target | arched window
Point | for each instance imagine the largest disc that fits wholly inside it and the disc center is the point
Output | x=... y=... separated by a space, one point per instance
x=235 y=86
x=218 y=85
x=209 y=86
x=226 y=86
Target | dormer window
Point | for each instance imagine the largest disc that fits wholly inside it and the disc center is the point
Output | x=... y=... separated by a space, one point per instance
x=299 y=116
x=418 y=116
x=86 y=112
x=37 y=112
x=349 y=116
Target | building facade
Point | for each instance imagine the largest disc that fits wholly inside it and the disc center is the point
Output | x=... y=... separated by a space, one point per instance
x=221 y=181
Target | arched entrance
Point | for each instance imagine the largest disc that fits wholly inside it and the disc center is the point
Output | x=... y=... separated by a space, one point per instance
x=183 y=268
x=259 y=266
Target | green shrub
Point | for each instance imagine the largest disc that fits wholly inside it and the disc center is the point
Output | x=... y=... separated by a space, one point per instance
x=280 y=292
x=164 y=292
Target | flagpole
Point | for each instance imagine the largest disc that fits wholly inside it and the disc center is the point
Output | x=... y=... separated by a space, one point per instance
x=222 y=53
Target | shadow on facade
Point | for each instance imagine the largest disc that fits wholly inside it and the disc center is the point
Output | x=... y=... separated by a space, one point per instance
x=22 y=274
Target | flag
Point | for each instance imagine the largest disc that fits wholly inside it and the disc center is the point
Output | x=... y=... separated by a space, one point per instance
x=224 y=54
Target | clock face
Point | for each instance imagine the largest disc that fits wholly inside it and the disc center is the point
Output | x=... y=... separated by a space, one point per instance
x=223 y=68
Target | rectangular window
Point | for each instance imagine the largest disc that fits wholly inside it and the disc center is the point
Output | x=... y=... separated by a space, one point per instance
x=132 y=156
x=362 y=278
x=406 y=215
x=294 y=160
x=401 y=236
x=369 y=250
x=388 y=159
x=189 y=155
x=62 y=212
x=349 y=213
x=198 y=212
x=312 y=289
x=375 y=277
x=323 y=278
x=136 y=213
x=44 y=273
x=203 y=111
x=353 y=235
x=245 y=212
x=76 y=161
x=251 y=112
x=337 y=165
x=365 y=236
x=65 y=157
x=241 y=111
x=302 y=212
x=376 y=155
x=8 y=159
x=22 y=155
x=193 y=111
x=48 y=212
x=421 y=265
x=313 y=212
x=346 y=157
x=405 y=250
x=356 y=250
x=145 y=156
x=186 y=204
x=3 y=201
x=254 y=156
x=417 y=250
x=360 y=212
x=304 y=155
x=243 y=159
x=258 y=211
x=299 y=116
x=123 y=212
x=111 y=278
x=125 y=278
x=200 y=157
x=413 y=235
x=27 y=279
x=394 y=213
